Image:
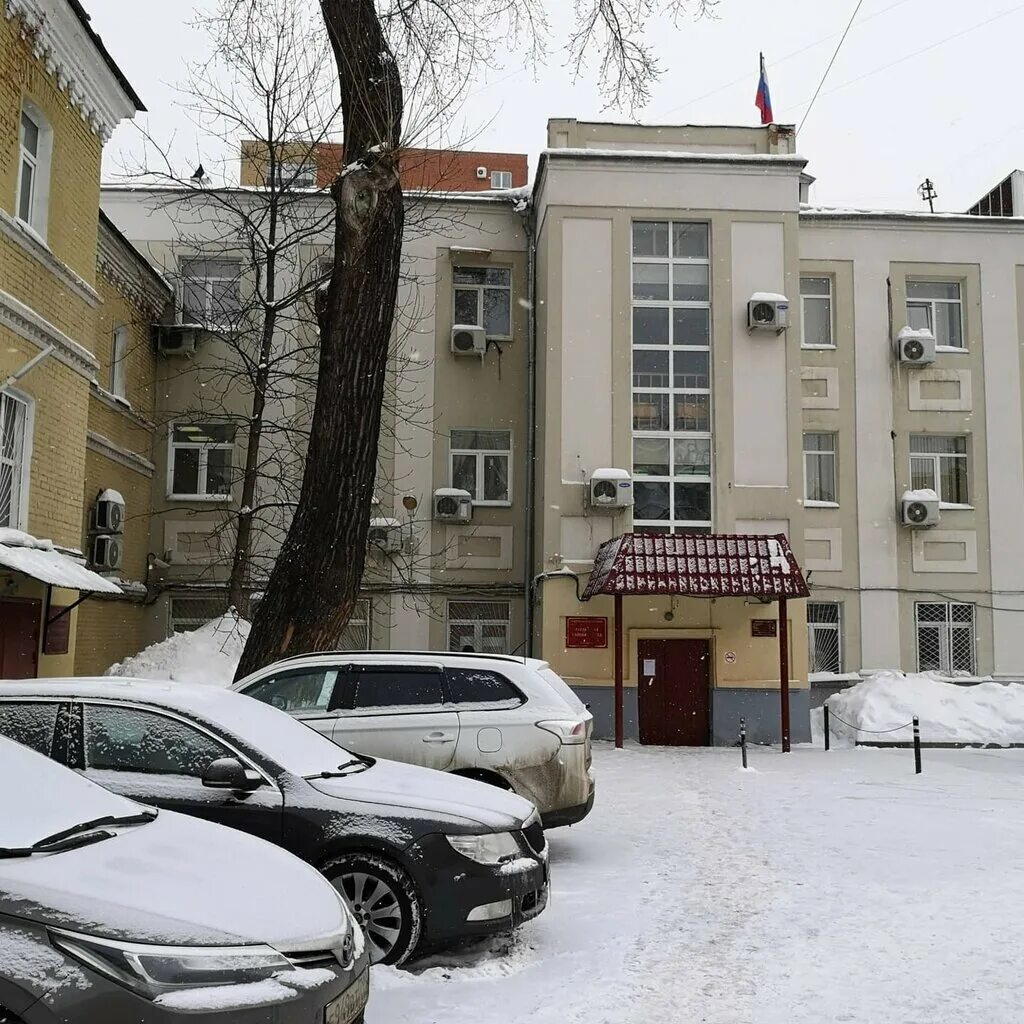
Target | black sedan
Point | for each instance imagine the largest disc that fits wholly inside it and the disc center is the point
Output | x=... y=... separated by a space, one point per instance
x=424 y=858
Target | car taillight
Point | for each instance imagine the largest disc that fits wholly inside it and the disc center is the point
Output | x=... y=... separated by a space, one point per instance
x=566 y=731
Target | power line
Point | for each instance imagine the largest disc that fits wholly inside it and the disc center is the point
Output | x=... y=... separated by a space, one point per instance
x=846 y=32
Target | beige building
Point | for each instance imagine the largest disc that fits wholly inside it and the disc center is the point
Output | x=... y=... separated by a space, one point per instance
x=666 y=340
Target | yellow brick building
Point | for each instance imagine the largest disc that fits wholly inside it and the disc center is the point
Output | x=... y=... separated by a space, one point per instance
x=65 y=283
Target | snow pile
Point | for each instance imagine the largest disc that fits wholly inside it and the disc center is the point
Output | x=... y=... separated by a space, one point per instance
x=209 y=654
x=981 y=713
x=18 y=539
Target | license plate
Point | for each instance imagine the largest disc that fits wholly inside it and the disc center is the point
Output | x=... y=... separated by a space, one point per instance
x=350 y=1003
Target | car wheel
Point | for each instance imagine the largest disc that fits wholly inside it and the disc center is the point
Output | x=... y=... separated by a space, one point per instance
x=384 y=901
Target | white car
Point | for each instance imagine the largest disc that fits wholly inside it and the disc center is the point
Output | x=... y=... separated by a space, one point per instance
x=509 y=721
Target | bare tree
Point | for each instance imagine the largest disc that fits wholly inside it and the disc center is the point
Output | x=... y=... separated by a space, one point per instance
x=400 y=63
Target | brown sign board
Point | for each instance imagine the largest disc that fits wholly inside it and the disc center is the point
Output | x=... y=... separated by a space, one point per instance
x=764 y=627
x=586 y=631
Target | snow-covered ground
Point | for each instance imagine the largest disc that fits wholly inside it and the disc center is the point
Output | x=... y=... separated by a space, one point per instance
x=817 y=887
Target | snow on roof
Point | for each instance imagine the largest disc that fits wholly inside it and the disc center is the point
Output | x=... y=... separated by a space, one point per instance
x=40 y=559
x=784 y=159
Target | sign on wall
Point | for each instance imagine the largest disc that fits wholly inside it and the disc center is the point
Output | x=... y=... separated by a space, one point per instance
x=764 y=627
x=58 y=634
x=586 y=631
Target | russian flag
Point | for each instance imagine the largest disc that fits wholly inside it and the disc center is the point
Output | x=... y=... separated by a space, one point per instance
x=763 y=100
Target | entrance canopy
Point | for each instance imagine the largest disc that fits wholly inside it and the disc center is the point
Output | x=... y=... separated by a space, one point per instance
x=40 y=560
x=697 y=565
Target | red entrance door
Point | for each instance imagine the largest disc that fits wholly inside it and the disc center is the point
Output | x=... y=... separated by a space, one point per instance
x=19 y=637
x=674 y=693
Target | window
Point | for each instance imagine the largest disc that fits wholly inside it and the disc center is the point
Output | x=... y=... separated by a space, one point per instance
x=501 y=179
x=935 y=306
x=30 y=724
x=127 y=739
x=300 y=691
x=671 y=377
x=939 y=464
x=481 y=463
x=295 y=173
x=33 y=170
x=189 y=613
x=211 y=291
x=13 y=460
x=820 y=468
x=825 y=636
x=384 y=687
x=816 y=311
x=483 y=298
x=200 y=462
x=945 y=637
x=481 y=627
x=356 y=634
x=118 y=352
x=477 y=686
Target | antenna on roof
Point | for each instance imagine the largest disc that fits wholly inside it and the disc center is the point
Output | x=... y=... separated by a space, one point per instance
x=927 y=192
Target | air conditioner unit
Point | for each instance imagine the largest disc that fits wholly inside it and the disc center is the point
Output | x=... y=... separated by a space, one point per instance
x=452 y=505
x=386 y=535
x=469 y=340
x=610 y=490
x=481 y=172
x=108 y=512
x=175 y=339
x=105 y=553
x=768 y=311
x=919 y=509
x=915 y=347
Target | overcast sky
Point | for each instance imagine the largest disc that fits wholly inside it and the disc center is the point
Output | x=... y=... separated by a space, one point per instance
x=921 y=88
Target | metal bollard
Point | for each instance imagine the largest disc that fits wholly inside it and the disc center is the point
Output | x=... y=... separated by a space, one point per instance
x=917 y=745
x=824 y=708
x=743 y=741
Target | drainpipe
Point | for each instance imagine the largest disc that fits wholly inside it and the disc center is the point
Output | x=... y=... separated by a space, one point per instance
x=29 y=366
x=529 y=223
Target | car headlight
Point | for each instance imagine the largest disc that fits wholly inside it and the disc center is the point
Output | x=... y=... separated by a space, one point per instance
x=490 y=848
x=151 y=971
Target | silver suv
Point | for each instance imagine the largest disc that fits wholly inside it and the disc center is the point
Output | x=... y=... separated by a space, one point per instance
x=509 y=721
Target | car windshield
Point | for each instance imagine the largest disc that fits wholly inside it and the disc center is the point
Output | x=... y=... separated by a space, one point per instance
x=40 y=798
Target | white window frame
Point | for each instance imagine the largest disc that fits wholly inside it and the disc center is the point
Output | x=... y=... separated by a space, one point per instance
x=826 y=627
x=295 y=173
x=20 y=466
x=821 y=454
x=480 y=289
x=936 y=460
x=204 y=450
x=932 y=304
x=39 y=164
x=946 y=629
x=501 y=179
x=810 y=298
x=481 y=454
x=672 y=524
x=208 y=281
x=118 y=356
x=477 y=625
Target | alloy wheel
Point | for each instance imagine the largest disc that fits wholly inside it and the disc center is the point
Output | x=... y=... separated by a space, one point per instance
x=377 y=910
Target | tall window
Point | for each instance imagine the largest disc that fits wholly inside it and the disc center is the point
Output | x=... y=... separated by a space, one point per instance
x=34 y=144
x=501 y=179
x=671 y=377
x=825 y=636
x=200 y=460
x=118 y=352
x=481 y=463
x=13 y=467
x=935 y=306
x=945 y=637
x=816 y=311
x=483 y=298
x=820 y=468
x=211 y=291
x=478 y=626
x=939 y=464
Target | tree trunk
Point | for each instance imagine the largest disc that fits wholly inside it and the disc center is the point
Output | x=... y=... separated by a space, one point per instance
x=315 y=582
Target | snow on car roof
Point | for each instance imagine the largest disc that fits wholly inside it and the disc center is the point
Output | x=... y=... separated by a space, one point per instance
x=285 y=740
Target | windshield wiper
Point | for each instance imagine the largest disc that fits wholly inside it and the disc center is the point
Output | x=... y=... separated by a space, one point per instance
x=340 y=770
x=67 y=843
x=87 y=826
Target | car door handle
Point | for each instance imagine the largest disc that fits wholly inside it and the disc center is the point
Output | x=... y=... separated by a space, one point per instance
x=439 y=737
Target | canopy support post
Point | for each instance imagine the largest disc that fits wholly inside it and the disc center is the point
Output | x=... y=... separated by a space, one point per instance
x=618 y=671
x=784 y=672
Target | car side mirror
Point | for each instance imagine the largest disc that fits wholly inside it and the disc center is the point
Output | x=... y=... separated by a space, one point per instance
x=230 y=773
